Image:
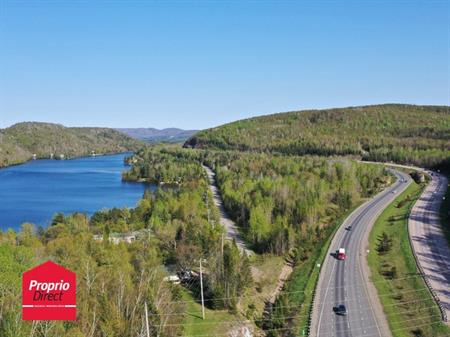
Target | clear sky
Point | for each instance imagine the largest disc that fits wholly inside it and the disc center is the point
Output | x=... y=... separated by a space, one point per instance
x=197 y=64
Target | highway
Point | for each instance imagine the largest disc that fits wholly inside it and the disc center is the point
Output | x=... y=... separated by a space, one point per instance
x=428 y=241
x=347 y=281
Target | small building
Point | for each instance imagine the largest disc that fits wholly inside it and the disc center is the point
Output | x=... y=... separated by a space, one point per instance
x=129 y=237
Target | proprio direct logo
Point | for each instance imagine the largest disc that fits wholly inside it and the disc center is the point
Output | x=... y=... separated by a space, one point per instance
x=49 y=293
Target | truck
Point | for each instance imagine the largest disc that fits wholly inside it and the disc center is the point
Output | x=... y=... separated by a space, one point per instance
x=341 y=254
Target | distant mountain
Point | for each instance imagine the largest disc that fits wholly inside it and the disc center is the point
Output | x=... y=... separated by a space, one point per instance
x=152 y=135
x=20 y=142
x=390 y=132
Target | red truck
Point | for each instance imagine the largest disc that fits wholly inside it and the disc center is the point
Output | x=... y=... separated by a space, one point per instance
x=341 y=254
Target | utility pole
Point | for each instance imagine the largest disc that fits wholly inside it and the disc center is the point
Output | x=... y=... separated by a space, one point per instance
x=146 y=319
x=221 y=262
x=201 y=290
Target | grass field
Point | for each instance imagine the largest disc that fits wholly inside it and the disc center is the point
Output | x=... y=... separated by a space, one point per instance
x=407 y=303
x=216 y=321
x=266 y=269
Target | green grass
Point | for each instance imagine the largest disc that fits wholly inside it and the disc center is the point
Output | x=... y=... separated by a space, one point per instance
x=407 y=303
x=266 y=269
x=215 y=322
x=218 y=321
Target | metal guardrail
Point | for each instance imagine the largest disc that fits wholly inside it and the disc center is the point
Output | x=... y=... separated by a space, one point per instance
x=421 y=272
x=308 y=329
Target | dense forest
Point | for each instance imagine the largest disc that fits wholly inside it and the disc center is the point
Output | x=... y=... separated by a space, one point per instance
x=18 y=143
x=283 y=179
x=393 y=132
x=283 y=206
x=173 y=227
x=285 y=203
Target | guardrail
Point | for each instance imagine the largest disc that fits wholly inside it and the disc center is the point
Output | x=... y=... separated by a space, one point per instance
x=308 y=329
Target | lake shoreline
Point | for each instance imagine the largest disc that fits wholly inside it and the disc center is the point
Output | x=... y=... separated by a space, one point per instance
x=36 y=190
x=69 y=158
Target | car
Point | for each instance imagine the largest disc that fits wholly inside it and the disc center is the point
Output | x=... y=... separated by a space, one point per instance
x=349 y=228
x=340 y=310
x=394 y=191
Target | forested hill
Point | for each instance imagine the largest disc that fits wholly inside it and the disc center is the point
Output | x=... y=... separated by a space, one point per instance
x=19 y=142
x=152 y=135
x=390 y=132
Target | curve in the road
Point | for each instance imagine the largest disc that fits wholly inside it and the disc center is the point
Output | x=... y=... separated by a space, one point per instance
x=341 y=280
x=429 y=244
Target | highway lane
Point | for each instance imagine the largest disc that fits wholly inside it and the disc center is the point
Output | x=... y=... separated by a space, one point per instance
x=428 y=241
x=346 y=282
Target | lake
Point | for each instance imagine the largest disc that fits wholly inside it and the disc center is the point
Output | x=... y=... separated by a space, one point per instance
x=35 y=191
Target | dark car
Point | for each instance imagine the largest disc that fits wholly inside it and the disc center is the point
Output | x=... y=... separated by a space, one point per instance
x=340 y=310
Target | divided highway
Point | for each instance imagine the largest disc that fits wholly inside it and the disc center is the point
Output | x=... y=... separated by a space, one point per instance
x=347 y=281
x=429 y=243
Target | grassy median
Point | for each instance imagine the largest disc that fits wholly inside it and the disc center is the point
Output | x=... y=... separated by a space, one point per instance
x=407 y=303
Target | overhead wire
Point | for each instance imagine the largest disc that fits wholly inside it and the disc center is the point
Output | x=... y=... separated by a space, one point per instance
x=335 y=302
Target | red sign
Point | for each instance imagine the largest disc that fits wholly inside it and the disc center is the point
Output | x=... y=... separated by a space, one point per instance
x=49 y=293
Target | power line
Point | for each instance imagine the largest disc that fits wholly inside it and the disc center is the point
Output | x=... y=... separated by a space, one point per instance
x=281 y=317
x=390 y=316
x=332 y=333
x=323 y=288
x=374 y=326
x=323 y=302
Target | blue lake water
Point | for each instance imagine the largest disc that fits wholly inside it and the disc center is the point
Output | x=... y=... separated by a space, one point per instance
x=35 y=191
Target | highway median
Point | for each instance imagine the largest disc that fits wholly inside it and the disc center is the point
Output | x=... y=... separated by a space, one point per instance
x=407 y=303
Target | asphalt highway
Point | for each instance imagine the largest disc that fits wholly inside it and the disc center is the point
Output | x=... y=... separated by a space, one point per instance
x=346 y=281
x=428 y=241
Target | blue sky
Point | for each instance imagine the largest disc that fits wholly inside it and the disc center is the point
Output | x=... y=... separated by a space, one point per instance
x=198 y=64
